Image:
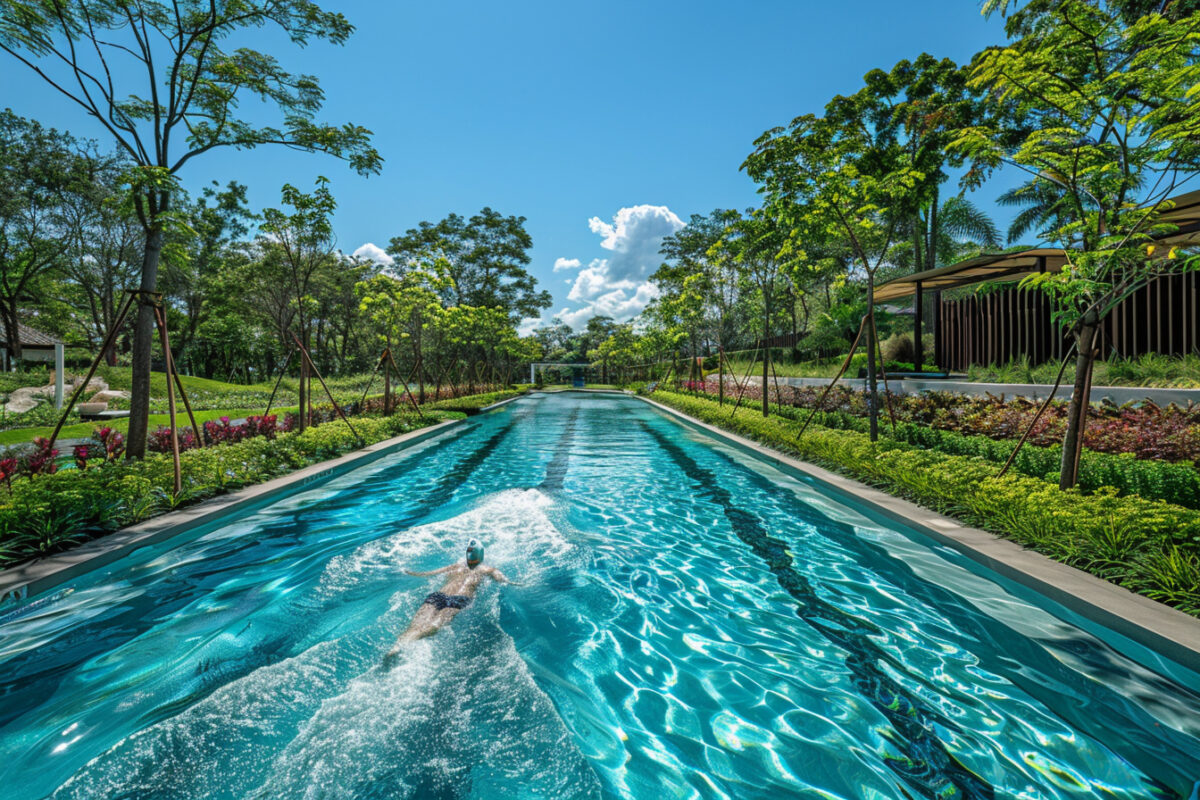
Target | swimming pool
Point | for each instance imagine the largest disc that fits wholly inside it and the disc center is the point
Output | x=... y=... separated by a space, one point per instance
x=694 y=624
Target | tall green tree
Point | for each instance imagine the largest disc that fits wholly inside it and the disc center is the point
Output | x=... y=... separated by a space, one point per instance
x=488 y=258
x=834 y=178
x=407 y=309
x=38 y=168
x=305 y=242
x=213 y=226
x=918 y=106
x=103 y=242
x=159 y=78
x=758 y=244
x=1096 y=101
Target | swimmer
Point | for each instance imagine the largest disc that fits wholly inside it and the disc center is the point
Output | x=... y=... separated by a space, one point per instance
x=456 y=594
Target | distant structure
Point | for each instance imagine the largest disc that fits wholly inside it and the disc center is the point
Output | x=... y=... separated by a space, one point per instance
x=37 y=346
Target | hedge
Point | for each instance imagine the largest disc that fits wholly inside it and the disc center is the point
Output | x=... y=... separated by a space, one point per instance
x=473 y=402
x=1177 y=483
x=48 y=513
x=1148 y=546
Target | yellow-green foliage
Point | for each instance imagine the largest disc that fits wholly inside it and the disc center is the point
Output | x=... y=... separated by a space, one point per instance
x=1149 y=546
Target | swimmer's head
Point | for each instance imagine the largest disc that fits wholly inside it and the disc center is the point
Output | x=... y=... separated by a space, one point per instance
x=474 y=553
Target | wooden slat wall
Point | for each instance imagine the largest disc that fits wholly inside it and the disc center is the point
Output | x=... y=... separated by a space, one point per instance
x=1000 y=326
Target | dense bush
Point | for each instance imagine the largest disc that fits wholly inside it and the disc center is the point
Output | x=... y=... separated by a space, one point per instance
x=474 y=402
x=1148 y=546
x=1154 y=480
x=47 y=513
x=1146 y=431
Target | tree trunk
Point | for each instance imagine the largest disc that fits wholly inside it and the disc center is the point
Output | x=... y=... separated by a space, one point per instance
x=766 y=358
x=12 y=332
x=721 y=374
x=872 y=386
x=303 y=392
x=1077 y=410
x=143 y=339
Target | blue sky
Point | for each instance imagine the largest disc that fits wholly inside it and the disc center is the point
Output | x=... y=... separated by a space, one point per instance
x=603 y=125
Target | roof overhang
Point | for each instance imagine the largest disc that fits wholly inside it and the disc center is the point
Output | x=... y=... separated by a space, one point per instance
x=995 y=267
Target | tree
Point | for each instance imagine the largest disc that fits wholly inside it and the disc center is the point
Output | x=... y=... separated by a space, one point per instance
x=189 y=90
x=1096 y=101
x=834 y=178
x=38 y=166
x=758 y=244
x=698 y=286
x=487 y=257
x=305 y=243
x=405 y=308
x=213 y=226
x=104 y=245
x=918 y=106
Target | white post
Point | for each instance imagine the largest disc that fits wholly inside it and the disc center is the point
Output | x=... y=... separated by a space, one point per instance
x=532 y=379
x=58 y=376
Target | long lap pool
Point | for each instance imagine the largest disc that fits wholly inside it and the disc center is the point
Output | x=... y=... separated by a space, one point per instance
x=692 y=623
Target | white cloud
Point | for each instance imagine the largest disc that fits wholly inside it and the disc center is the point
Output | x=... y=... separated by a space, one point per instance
x=566 y=263
x=594 y=280
x=618 y=286
x=529 y=325
x=635 y=236
x=620 y=304
x=372 y=252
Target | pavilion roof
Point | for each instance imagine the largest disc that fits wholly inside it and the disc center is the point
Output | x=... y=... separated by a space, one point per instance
x=987 y=267
x=999 y=267
x=30 y=337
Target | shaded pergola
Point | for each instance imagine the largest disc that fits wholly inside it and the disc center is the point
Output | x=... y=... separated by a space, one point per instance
x=37 y=346
x=990 y=267
x=1013 y=266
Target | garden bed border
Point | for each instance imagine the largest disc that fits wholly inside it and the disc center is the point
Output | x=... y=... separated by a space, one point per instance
x=1164 y=630
x=24 y=581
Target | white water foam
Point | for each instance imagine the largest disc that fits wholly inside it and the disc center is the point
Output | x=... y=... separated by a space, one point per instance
x=459 y=716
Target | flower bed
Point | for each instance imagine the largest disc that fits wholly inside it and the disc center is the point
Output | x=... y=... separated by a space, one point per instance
x=42 y=513
x=1151 y=547
x=1146 y=431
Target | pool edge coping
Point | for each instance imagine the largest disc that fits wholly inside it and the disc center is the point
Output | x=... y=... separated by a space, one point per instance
x=1159 y=627
x=21 y=582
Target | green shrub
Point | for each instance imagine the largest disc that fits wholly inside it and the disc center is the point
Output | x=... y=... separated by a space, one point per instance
x=1177 y=483
x=474 y=402
x=48 y=513
x=1149 y=546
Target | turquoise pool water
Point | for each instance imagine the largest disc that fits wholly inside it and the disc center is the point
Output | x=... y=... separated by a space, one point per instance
x=693 y=624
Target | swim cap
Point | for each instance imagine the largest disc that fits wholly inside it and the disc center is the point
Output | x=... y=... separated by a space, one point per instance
x=474 y=551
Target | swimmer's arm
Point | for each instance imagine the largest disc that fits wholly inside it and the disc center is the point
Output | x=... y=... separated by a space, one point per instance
x=500 y=577
x=446 y=568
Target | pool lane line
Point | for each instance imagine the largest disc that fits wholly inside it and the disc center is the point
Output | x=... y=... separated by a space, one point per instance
x=985 y=630
x=556 y=470
x=926 y=762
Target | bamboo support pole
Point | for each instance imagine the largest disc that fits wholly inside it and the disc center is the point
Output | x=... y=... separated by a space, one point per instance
x=173 y=373
x=407 y=391
x=109 y=338
x=162 y=335
x=282 y=371
x=845 y=366
x=308 y=359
